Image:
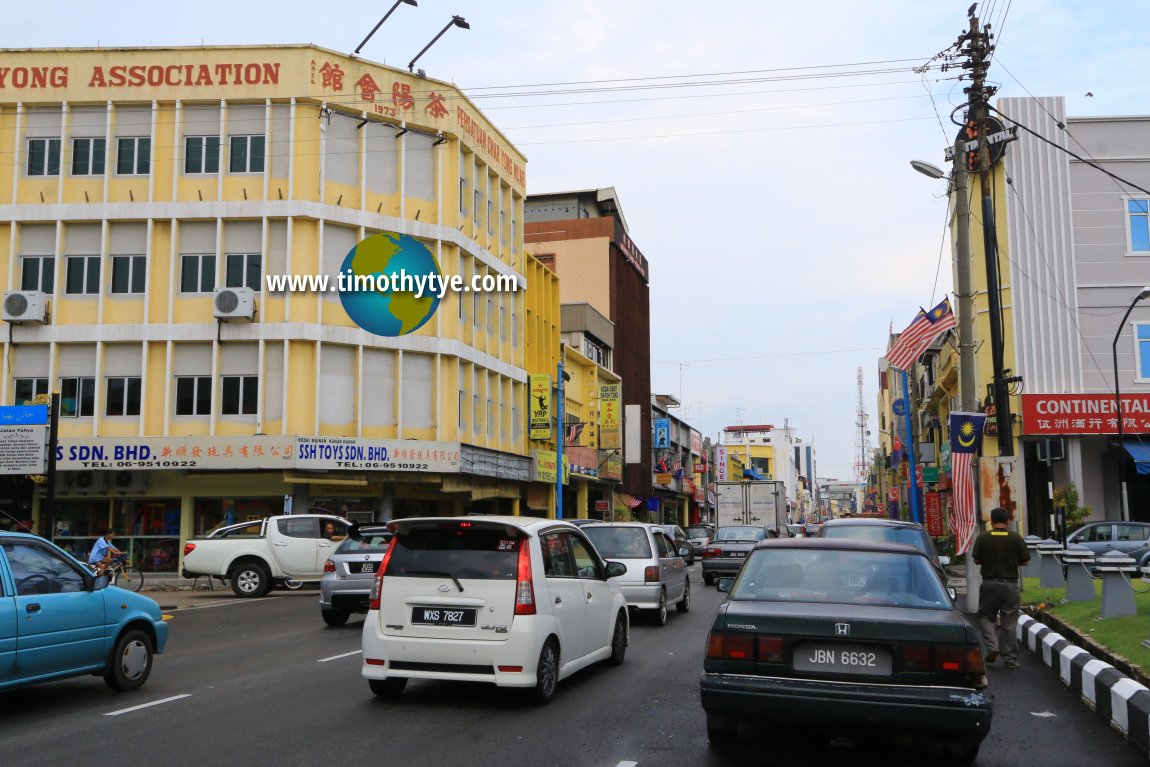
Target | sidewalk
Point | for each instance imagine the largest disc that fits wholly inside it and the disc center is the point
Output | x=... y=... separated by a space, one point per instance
x=173 y=592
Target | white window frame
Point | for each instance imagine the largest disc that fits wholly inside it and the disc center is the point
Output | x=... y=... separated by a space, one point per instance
x=248 y=258
x=202 y=155
x=247 y=141
x=197 y=383
x=1140 y=375
x=1126 y=215
x=136 y=263
x=49 y=144
x=248 y=384
x=87 y=288
x=91 y=142
x=138 y=158
x=81 y=383
x=199 y=273
x=50 y=261
x=39 y=386
x=125 y=402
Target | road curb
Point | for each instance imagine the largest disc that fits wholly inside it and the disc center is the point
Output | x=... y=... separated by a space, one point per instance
x=1115 y=698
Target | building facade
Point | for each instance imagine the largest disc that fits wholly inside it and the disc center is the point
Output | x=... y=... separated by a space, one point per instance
x=142 y=186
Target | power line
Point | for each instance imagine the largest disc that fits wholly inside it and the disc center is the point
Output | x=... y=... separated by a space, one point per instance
x=774 y=356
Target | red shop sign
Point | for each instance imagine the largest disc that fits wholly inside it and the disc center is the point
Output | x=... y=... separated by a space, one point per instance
x=1084 y=414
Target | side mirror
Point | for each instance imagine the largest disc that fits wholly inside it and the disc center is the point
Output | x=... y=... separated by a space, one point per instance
x=99 y=583
x=684 y=551
x=724 y=584
x=615 y=569
x=944 y=561
x=953 y=594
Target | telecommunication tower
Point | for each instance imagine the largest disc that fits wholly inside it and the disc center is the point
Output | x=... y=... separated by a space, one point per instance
x=862 y=435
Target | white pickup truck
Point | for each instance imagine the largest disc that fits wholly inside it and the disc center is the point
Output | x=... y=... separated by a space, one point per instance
x=254 y=556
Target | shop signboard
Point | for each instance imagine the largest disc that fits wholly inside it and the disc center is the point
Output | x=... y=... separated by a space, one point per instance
x=584 y=461
x=1044 y=414
x=612 y=468
x=546 y=462
x=696 y=442
x=662 y=433
x=721 y=464
x=176 y=453
x=610 y=396
x=354 y=453
x=602 y=507
x=933 y=504
x=930 y=474
x=540 y=406
x=664 y=479
x=23 y=439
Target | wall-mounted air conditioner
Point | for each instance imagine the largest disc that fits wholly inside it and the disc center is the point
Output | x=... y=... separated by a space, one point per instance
x=234 y=304
x=25 y=306
x=126 y=481
x=85 y=482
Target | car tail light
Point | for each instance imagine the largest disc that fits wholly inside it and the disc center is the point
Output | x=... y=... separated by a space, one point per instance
x=189 y=548
x=710 y=551
x=651 y=574
x=377 y=584
x=510 y=669
x=950 y=658
x=329 y=566
x=770 y=649
x=731 y=646
x=524 y=588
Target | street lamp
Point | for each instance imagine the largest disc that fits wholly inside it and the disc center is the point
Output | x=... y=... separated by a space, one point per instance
x=456 y=21
x=1143 y=294
x=380 y=24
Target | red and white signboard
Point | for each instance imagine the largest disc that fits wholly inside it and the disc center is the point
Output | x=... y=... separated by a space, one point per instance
x=1084 y=414
x=933 y=503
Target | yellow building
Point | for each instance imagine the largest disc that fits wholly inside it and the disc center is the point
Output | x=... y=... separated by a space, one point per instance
x=145 y=197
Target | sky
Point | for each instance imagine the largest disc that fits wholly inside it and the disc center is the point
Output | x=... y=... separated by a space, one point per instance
x=761 y=162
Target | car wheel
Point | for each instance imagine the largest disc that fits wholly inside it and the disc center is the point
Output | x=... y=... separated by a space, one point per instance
x=387 y=688
x=546 y=674
x=335 y=617
x=685 y=603
x=659 y=614
x=618 y=642
x=962 y=752
x=250 y=580
x=721 y=730
x=708 y=579
x=131 y=661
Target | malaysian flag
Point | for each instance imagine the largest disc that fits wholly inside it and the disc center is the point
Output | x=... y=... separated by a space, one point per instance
x=913 y=341
x=572 y=434
x=632 y=501
x=677 y=469
x=965 y=443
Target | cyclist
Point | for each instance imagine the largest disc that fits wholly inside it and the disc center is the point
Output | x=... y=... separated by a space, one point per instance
x=103 y=552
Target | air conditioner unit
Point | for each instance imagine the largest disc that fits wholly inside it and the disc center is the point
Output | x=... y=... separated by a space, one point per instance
x=85 y=482
x=25 y=306
x=234 y=304
x=128 y=481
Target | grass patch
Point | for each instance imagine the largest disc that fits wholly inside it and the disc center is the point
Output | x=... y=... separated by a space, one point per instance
x=1121 y=636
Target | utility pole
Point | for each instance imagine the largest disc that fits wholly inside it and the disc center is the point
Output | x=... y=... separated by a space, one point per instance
x=979 y=94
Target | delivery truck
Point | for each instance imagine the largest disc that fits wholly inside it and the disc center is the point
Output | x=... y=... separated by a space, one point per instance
x=752 y=502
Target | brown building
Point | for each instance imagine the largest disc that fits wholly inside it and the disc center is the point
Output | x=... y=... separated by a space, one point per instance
x=582 y=235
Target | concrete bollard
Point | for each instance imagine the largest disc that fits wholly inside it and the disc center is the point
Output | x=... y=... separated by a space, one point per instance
x=1079 y=581
x=1032 y=567
x=1117 y=594
x=1050 y=572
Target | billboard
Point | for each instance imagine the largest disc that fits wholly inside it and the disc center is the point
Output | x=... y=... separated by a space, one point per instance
x=540 y=406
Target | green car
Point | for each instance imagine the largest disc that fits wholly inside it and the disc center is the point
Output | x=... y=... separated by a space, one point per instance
x=859 y=636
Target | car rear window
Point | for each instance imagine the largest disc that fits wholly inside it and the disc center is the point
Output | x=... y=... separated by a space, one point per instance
x=908 y=535
x=476 y=552
x=698 y=531
x=620 y=542
x=740 y=534
x=840 y=577
x=366 y=543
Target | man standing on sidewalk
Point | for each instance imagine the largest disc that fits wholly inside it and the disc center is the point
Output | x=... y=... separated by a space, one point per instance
x=999 y=552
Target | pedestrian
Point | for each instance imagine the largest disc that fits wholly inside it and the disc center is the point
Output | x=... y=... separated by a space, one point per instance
x=999 y=552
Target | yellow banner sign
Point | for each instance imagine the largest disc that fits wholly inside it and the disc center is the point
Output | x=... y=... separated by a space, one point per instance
x=540 y=407
x=546 y=467
x=609 y=404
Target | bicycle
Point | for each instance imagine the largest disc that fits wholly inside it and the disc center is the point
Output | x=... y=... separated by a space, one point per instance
x=121 y=570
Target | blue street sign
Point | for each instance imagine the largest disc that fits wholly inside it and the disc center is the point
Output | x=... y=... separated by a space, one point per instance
x=23 y=414
x=899 y=407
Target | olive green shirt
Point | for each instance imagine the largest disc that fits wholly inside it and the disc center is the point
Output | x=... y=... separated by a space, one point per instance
x=1001 y=553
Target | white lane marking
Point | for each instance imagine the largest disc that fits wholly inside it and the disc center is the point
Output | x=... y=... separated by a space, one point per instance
x=337 y=657
x=148 y=705
x=226 y=604
x=627 y=764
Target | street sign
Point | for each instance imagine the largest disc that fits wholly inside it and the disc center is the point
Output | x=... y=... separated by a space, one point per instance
x=933 y=514
x=24 y=449
x=930 y=474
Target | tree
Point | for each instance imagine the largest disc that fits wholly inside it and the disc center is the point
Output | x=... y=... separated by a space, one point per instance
x=1066 y=499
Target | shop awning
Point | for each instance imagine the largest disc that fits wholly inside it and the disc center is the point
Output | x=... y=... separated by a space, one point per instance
x=752 y=474
x=1140 y=452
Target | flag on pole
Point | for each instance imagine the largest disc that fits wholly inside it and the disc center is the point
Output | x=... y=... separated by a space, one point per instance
x=965 y=444
x=918 y=335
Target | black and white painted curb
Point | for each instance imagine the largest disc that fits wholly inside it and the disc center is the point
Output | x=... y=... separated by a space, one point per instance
x=1116 y=698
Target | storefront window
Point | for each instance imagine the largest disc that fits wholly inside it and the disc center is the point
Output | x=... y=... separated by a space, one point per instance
x=148 y=531
x=209 y=513
x=360 y=510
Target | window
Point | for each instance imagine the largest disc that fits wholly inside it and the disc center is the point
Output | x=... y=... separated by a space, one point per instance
x=123 y=396
x=27 y=388
x=83 y=275
x=502 y=334
x=44 y=571
x=475 y=412
x=490 y=431
x=77 y=397
x=475 y=207
x=88 y=156
x=1139 y=214
x=475 y=309
x=502 y=230
x=1142 y=333
x=133 y=156
x=557 y=561
x=43 y=157
x=193 y=395
x=490 y=218
x=247 y=154
x=38 y=273
x=242 y=270
x=197 y=273
x=1132 y=532
x=128 y=273
x=201 y=154
x=460 y=424
x=586 y=563
x=240 y=395
x=299 y=528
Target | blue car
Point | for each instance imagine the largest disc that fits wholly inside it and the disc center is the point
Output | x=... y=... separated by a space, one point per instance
x=58 y=620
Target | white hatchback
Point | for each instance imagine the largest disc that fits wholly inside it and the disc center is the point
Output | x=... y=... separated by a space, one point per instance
x=512 y=601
